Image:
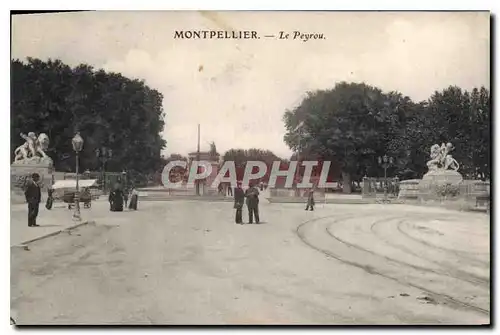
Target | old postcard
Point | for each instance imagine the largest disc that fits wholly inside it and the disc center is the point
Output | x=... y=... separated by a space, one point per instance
x=250 y=168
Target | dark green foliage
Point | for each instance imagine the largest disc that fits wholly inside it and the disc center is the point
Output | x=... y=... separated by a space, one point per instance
x=353 y=124
x=447 y=190
x=241 y=156
x=108 y=109
x=452 y=115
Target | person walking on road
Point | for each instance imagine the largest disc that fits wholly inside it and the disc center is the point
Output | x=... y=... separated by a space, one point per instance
x=33 y=197
x=239 y=200
x=252 y=195
x=310 y=200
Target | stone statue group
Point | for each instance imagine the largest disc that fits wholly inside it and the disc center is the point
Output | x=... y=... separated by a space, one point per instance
x=33 y=149
x=441 y=159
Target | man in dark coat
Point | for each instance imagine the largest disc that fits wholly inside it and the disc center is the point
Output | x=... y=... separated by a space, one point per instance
x=252 y=195
x=239 y=200
x=33 y=198
x=116 y=198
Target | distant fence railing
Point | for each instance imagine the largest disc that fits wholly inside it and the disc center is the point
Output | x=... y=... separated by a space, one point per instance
x=373 y=186
x=295 y=192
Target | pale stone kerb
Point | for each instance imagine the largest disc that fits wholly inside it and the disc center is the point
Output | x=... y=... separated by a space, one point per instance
x=25 y=243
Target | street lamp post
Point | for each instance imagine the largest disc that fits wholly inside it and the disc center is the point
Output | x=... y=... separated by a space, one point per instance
x=385 y=162
x=77 y=142
x=103 y=154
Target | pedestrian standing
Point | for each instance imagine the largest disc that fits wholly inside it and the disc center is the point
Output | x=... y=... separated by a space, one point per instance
x=310 y=200
x=239 y=200
x=134 y=199
x=252 y=195
x=125 y=197
x=33 y=198
x=50 y=198
x=116 y=199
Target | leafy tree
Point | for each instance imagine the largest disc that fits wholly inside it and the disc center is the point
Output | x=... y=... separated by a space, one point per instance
x=451 y=115
x=108 y=109
x=242 y=156
x=350 y=124
x=175 y=157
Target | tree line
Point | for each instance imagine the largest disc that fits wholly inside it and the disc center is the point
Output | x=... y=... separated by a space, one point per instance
x=108 y=109
x=351 y=124
x=354 y=123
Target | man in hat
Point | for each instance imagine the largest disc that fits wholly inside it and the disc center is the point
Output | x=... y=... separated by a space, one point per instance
x=252 y=195
x=239 y=200
x=33 y=197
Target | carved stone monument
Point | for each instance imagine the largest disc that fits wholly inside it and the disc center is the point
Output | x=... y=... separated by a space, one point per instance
x=30 y=158
x=442 y=176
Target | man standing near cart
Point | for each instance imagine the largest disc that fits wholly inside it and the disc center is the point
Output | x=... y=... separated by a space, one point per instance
x=33 y=197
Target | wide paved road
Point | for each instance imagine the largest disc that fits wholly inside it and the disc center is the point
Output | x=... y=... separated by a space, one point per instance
x=187 y=263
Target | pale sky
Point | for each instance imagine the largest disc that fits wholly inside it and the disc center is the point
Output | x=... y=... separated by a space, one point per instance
x=245 y=86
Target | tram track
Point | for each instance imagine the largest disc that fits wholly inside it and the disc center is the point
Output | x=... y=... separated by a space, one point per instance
x=462 y=254
x=465 y=277
x=301 y=232
x=452 y=271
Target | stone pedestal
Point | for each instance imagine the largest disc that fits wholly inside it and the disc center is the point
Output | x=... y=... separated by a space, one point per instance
x=207 y=188
x=20 y=172
x=434 y=181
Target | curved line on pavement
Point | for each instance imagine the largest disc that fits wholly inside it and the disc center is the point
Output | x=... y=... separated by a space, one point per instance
x=373 y=271
x=390 y=259
x=464 y=254
x=474 y=279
